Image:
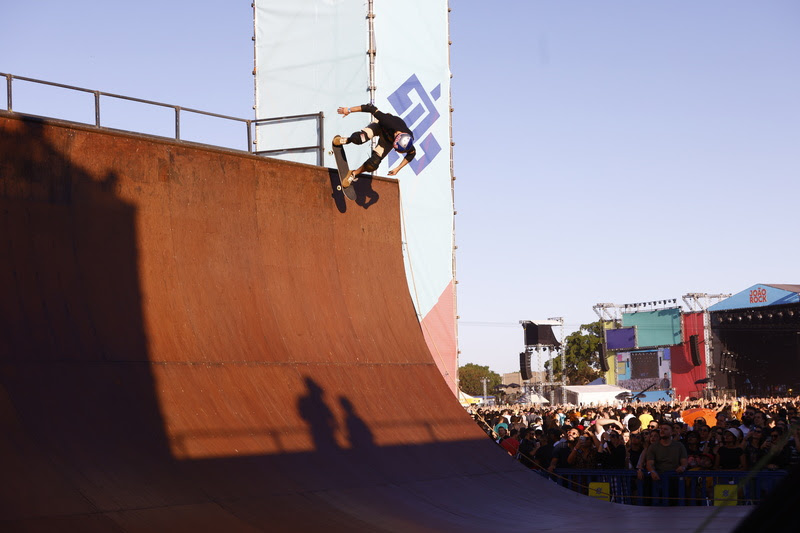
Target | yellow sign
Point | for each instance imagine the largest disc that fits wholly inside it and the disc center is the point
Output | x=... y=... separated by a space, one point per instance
x=725 y=495
x=601 y=491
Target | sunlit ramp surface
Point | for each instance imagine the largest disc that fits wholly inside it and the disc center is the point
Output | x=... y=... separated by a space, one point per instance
x=203 y=340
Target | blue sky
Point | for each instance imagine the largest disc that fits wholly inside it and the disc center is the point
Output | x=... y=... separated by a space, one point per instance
x=615 y=151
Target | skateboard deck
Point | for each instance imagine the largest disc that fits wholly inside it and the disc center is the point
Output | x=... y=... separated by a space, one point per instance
x=344 y=169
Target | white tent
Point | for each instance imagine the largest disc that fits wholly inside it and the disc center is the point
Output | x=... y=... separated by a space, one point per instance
x=593 y=394
x=535 y=398
x=467 y=399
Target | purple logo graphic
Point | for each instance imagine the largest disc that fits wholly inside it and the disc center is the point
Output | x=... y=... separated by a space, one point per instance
x=419 y=118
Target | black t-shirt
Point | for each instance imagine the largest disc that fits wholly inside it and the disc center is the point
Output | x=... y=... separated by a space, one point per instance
x=615 y=458
x=543 y=456
x=389 y=125
x=729 y=458
x=562 y=453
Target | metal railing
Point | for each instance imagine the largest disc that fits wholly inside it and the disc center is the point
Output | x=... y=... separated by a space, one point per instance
x=249 y=124
x=319 y=147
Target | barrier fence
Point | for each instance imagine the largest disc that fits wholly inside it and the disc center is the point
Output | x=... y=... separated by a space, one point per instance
x=691 y=488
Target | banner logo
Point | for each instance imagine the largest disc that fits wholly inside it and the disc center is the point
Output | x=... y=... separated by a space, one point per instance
x=420 y=118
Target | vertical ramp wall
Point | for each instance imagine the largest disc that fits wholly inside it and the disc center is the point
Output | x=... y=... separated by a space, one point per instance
x=312 y=56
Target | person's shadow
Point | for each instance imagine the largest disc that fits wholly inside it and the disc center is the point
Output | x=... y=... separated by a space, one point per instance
x=358 y=433
x=321 y=422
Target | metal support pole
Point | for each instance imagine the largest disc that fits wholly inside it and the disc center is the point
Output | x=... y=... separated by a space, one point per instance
x=371 y=52
x=249 y=124
x=9 y=77
x=97 y=108
x=321 y=129
x=177 y=123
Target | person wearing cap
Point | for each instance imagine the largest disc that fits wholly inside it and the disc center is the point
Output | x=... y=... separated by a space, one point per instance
x=730 y=456
x=391 y=131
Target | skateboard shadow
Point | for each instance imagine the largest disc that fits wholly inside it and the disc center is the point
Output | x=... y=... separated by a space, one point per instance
x=366 y=196
x=336 y=193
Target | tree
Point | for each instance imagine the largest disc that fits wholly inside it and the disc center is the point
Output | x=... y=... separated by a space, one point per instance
x=470 y=376
x=580 y=355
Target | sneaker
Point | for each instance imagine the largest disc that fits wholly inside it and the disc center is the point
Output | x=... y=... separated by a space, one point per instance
x=339 y=140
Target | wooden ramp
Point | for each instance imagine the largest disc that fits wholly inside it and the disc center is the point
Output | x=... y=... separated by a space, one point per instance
x=202 y=340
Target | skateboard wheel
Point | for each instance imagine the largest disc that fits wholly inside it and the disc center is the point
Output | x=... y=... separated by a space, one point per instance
x=338 y=187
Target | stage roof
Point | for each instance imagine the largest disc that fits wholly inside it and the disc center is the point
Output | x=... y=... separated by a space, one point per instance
x=760 y=295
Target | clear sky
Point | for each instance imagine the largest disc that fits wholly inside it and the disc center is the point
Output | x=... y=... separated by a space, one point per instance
x=615 y=151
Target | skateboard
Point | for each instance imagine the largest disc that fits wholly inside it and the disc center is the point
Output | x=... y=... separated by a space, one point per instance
x=344 y=169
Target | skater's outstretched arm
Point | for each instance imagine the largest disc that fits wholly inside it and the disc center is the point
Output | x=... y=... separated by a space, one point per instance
x=365 y=108
x=395 y=170
x=347 y=110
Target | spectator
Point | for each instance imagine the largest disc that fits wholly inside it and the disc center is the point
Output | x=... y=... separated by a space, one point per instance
x=653 y=425
x=628 y=417
x=511 y=443
x=759 y=420
x=544 y=454
x=754 y=449
x=527 y=447
x=648 y=439
x=704 y=433
x=516 y=423
x=666 y=455
x=748 y=418
x=693 y=450
x=635 y=449
x=645 y=418
x=614 y=454
x=730 y=456
x=779 y=450
x=584 y=455
x=677 y=431
x=563 y=449
x=501 y=430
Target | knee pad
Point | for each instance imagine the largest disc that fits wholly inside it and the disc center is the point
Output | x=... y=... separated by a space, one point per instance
x=358 y=137
x=372 y=164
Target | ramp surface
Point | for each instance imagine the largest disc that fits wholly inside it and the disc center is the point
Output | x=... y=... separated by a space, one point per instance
x=203 y=340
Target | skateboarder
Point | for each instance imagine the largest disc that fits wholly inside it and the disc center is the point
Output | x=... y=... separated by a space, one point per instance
x=392 y=132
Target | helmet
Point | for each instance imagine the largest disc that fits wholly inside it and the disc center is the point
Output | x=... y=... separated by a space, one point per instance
x=403 y=142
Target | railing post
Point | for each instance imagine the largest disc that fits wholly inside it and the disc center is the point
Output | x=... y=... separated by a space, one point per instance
x=249 y=136
x=321 y=121
x=97 y=108
x=9 y=77
x=177 y=123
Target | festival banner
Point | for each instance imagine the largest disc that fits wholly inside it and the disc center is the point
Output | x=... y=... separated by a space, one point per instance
x=412 y=79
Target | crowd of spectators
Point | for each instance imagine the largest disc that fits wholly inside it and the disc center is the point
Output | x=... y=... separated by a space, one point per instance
x=650 y=438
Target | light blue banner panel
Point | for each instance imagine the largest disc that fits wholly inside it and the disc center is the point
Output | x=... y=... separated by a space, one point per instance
x=413 y=82
x=760 y=296
x=310 y=57
x=655 y=328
